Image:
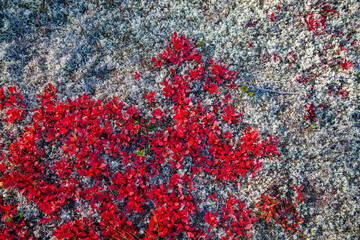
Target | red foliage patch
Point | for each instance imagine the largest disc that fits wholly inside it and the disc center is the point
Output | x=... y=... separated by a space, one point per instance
x=282 y=211
x=90 y=136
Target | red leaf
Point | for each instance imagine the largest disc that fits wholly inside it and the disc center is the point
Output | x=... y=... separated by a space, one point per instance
x=3 y=167
x=45 y=220
x=49 y=138
x=248 y=227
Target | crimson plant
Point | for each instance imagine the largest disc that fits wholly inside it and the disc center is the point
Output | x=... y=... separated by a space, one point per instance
x=131 y=170
x=282 y=211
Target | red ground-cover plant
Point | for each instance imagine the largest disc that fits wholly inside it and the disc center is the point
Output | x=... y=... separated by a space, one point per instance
x=330 y=54
x=13 y=104
x=346 y=64
x=236 y=221
x=313 y=24
x=16 y=226
x=344 y=93
x=311 y=113
x=171 y=217
x=303 y=80
x=282 y=211
x=79 y=229
x=88 y=136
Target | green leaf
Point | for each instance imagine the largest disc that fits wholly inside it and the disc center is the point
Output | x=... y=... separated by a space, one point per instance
x=151 y=128
x=8 y=219
x=137 y=119
x=141 y=153
x=20 y=214
x=244 y=89
x=35 y=183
